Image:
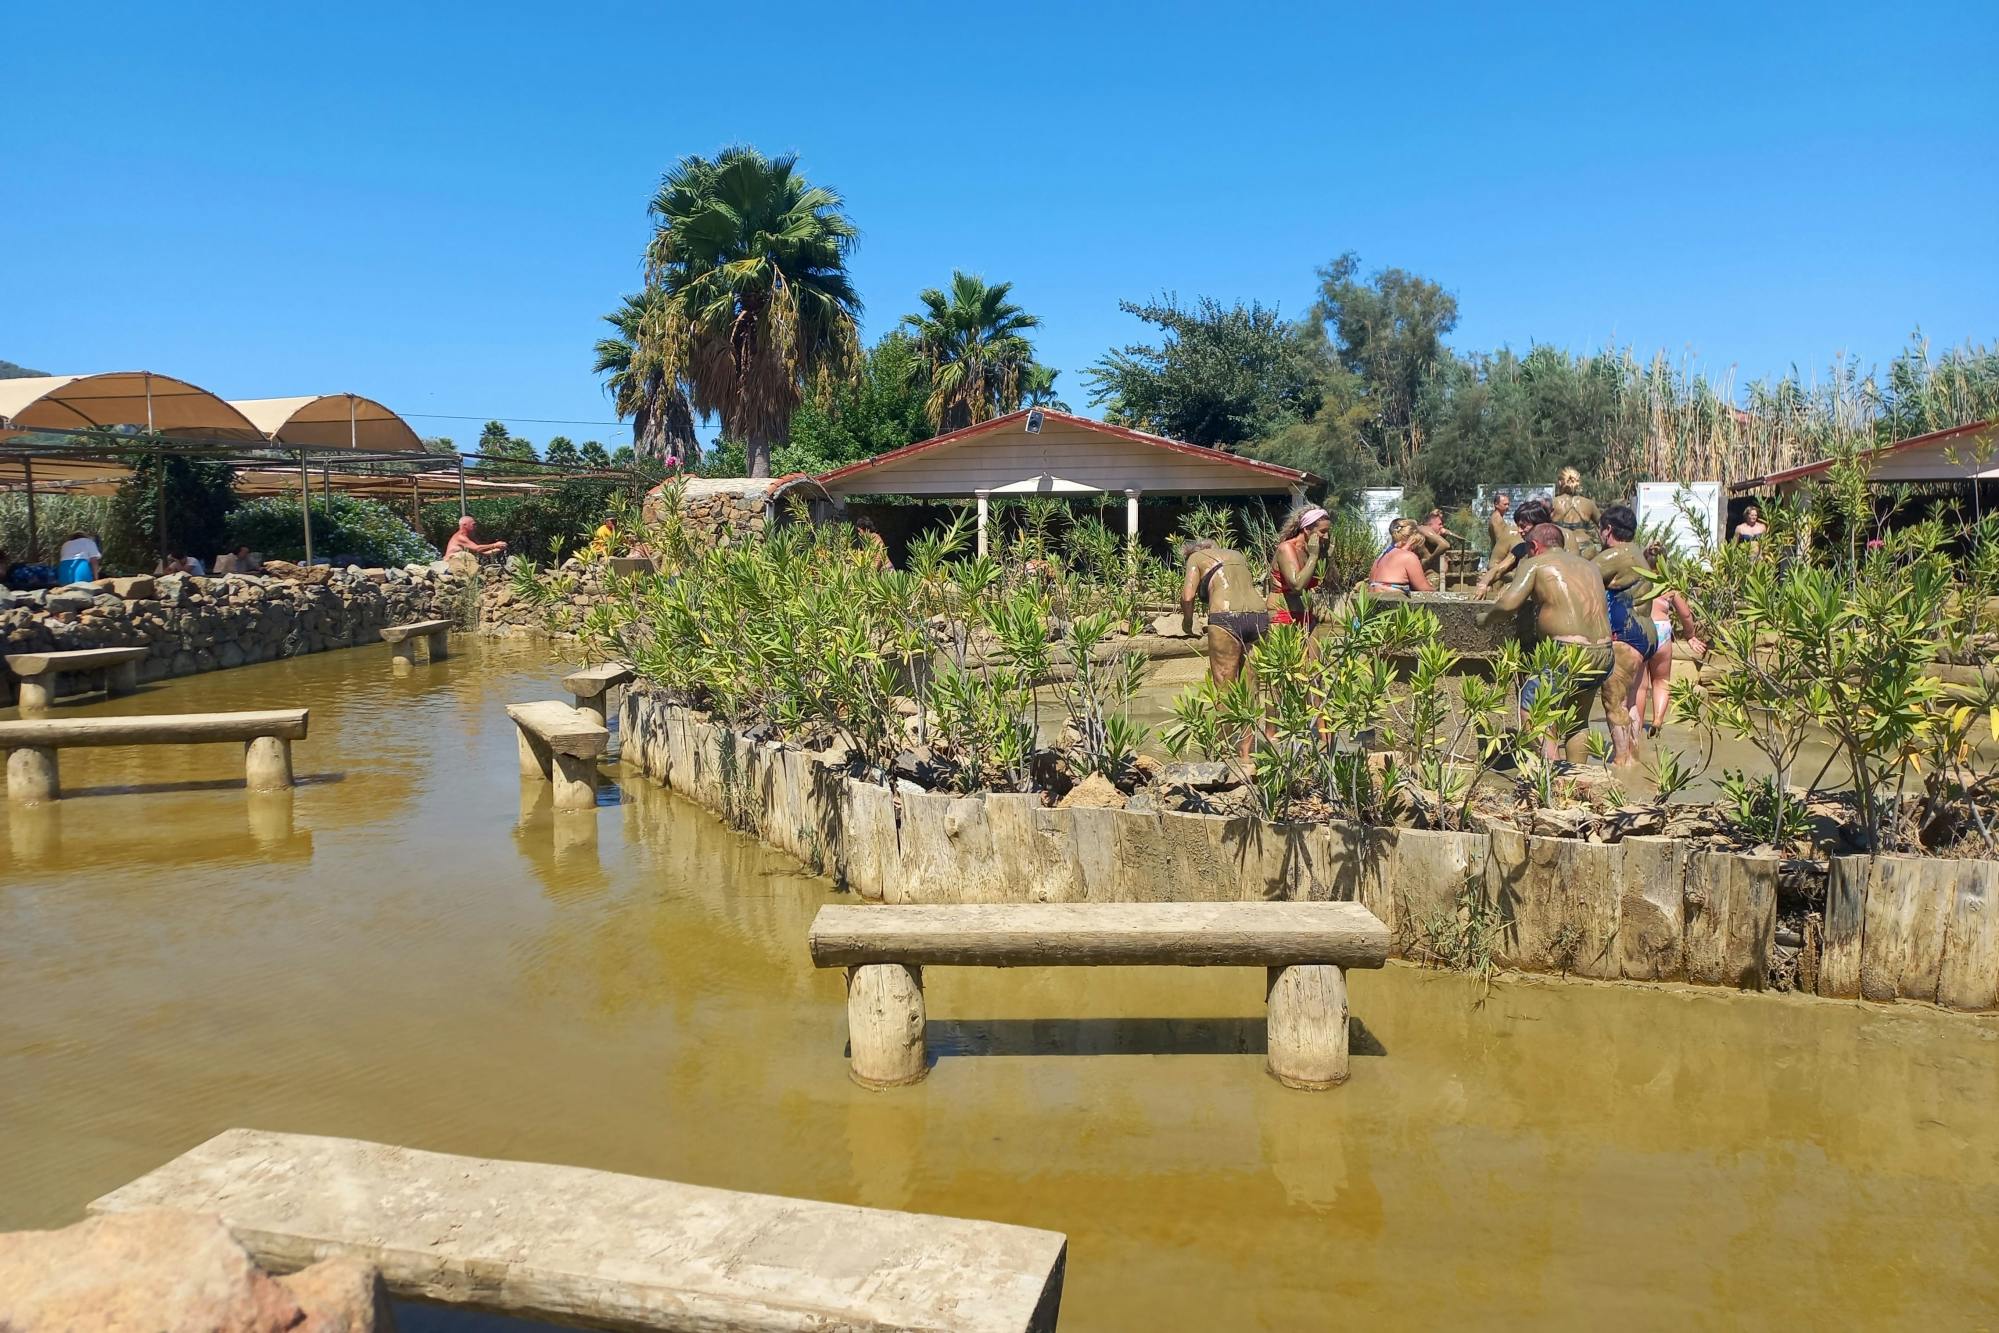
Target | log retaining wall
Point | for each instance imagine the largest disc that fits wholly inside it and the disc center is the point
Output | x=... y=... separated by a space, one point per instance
x=1644 y=909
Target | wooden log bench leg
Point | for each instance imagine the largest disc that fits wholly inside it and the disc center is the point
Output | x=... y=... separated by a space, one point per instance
x=593 y=707
x=1306 y=1029
x=32 y=774
x=267 y=764
x=575 y=782
x=885 y=1024
x=536 y=759
x=402 y=656
x=440 y=645
x=37 y=692
x=122 y=678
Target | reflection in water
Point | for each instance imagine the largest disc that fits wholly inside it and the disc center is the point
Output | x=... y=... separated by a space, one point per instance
x=427 y=953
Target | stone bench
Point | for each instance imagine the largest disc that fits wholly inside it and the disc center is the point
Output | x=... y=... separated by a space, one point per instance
x=267 y=738
x=561 y=744
x=600 y=1250
x=118 y=668
x=402 y=641
x=1307 y=948
x=592 y=686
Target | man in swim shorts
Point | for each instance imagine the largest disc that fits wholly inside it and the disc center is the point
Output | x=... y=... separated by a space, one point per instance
x=1570 y=607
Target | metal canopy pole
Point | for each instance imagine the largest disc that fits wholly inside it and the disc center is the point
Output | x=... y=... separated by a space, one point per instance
x=305 y=503
x=28 y=470
x=461 y=485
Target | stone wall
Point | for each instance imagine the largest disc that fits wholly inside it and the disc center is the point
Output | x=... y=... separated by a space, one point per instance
x=1643 y=909
x=201 y=624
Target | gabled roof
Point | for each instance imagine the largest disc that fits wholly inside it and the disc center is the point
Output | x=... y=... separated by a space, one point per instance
x=1943 y=444
x=1256 y=474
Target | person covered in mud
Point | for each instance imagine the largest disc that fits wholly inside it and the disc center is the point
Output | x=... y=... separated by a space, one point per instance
x=1628 y=593
x=1221 y=580
x=1499 y=525
x=1570 y=607
x=1294 y=565
x=1398 y=571
x=1437 y=540
x=1576 y=514
x=1506 y=559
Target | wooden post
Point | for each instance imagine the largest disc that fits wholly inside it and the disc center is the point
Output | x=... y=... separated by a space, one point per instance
x=32 y=774
x=267 y=763
x=440 y=645
x=593 y=705
x=885 y=1024
x=122 y=678
x=1306 y=1029
x=575 y=781
x=402 y=656
x=982 y=497
x=37 y=692
x=536 y=759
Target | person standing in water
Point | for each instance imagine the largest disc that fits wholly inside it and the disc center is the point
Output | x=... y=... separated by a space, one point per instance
x=1294 y=565
x=1398 y=571
x=1221 y=580
x=1570 y=607
x=1655 y=687
x=1627 y=590
x=1576 y=514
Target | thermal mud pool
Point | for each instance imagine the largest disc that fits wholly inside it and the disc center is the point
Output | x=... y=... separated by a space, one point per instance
x=412 y=947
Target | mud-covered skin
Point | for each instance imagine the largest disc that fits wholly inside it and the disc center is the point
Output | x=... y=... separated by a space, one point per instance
x=1570 y=605
x=1500 y=527
x=1232 y=589
x=1576 y=514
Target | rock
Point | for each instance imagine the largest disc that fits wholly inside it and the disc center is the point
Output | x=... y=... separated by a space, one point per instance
x=1204 y=775
x=1094 y=792
x=1168 y=627
x=170 y=1272
x=68 y=599
x=1559 y=823
x=135 y=589
x=105 y=601
x=230 y=655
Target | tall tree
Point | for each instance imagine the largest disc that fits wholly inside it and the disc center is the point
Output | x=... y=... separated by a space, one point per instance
x=975 y=351
x=880 y=409
x=1222 y=375
x=755 y=305
x=636 y=379
x=497 y=448
x=1389 y=330
x=1037 y=388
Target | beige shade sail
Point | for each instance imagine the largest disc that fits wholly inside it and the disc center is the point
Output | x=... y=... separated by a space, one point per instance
x=284 y=481
x=330 y=421
x=72 y=476
x=161 y=404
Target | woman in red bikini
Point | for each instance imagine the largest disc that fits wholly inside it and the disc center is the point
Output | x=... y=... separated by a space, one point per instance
x=1294 y=566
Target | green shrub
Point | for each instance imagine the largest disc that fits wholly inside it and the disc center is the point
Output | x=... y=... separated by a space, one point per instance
x=56 y=516
x=189 y=519
x=369 y=532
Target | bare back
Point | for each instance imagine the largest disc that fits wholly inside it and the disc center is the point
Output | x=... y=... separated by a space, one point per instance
x=1568 y=597
x=1226 y=576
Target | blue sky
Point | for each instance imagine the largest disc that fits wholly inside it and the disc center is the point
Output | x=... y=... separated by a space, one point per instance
x=433 y=205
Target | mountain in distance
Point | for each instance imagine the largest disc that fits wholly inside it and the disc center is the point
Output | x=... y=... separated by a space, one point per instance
x=10 y=371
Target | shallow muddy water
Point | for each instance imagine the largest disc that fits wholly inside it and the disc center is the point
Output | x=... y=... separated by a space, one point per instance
x=405 y=950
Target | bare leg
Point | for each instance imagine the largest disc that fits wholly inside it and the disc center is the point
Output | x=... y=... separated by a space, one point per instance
x=1626 y=666
x=1660 y=670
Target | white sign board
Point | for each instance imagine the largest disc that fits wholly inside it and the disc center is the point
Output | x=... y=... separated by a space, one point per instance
x=1669 y=509
x=1381 y=508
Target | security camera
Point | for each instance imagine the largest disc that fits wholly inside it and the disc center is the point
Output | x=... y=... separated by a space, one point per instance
x=1034 y=422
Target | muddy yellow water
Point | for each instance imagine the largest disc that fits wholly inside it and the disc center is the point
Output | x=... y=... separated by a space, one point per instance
x=407 y=950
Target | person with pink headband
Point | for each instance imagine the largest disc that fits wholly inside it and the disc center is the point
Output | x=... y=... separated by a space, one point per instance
x=1294 y=565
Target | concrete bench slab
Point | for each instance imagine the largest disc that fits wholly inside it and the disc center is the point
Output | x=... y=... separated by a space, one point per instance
x=1306 y=947
x=592 y=686
x=561 y=744
x=267 y=734
x=119 y=668
x=603 y=1250
x=402 y=642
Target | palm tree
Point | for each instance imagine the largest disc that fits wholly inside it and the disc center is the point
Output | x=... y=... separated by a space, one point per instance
x=973 y=346
x=754 y=305
x=1037 y=387
x=662 y=421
